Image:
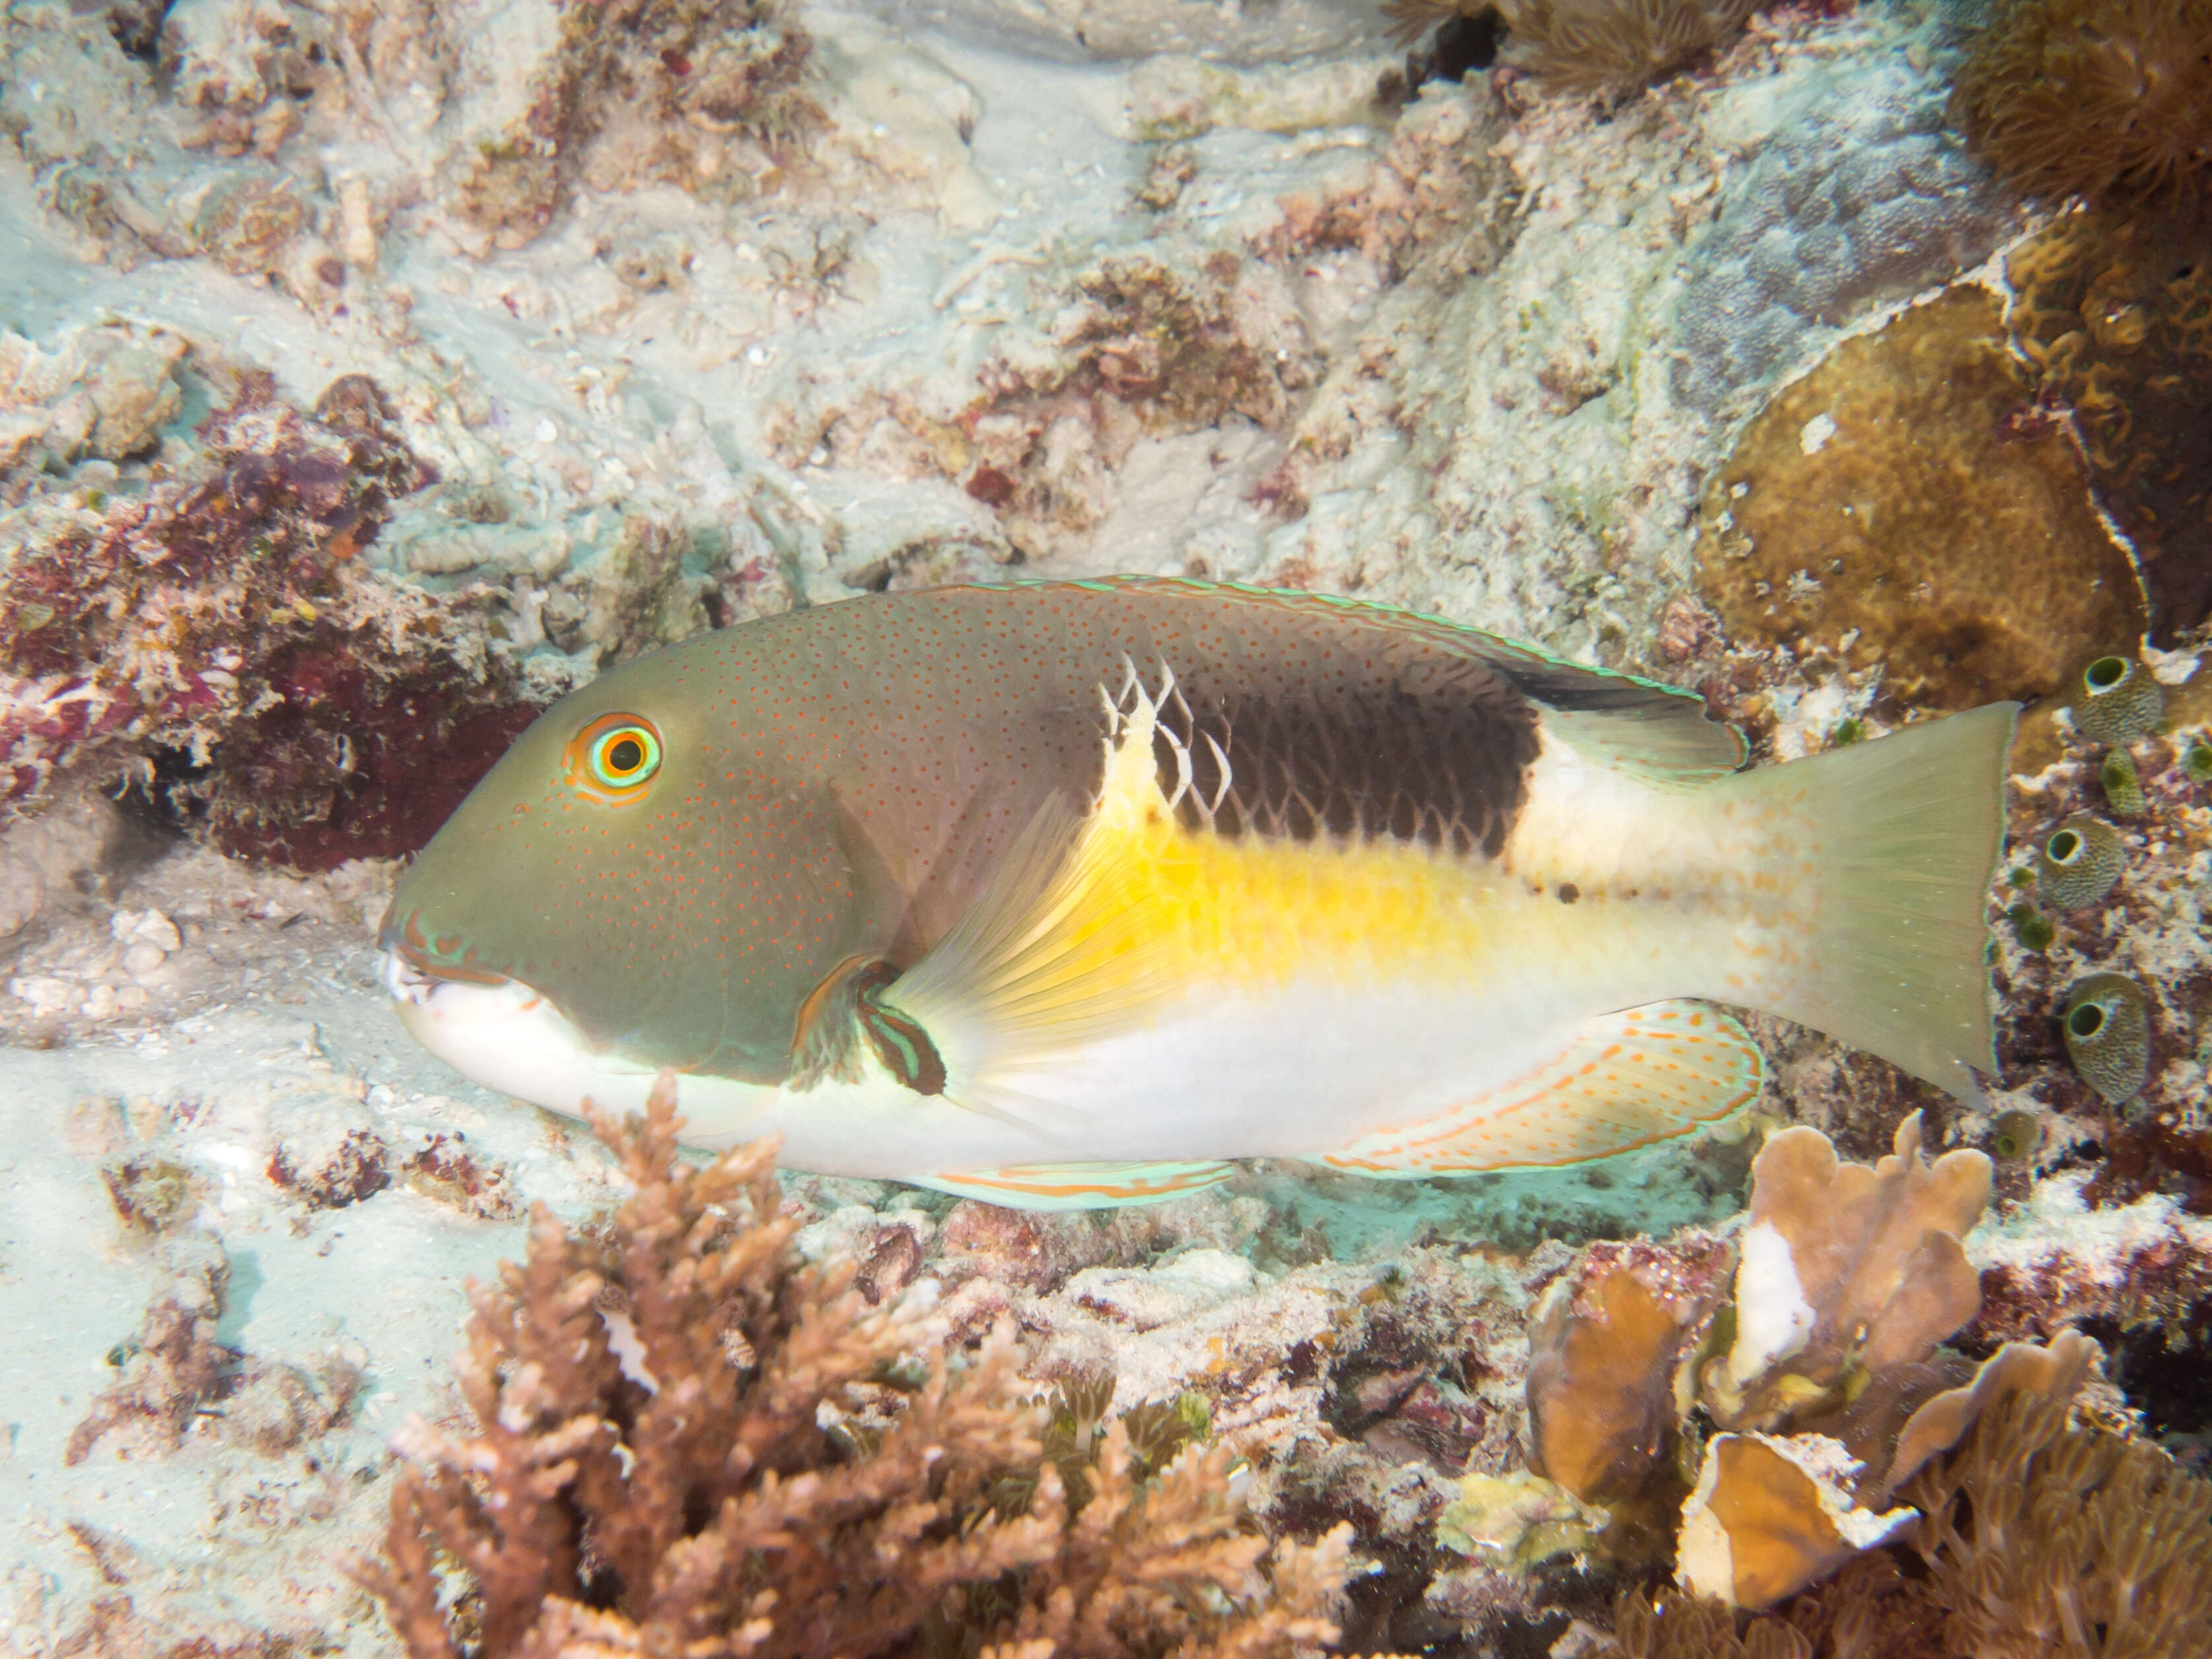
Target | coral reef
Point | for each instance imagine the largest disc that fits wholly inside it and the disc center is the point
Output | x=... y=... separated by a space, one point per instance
x=2112 y=314
x=1804 y=1397
x=682 y=1437
x=2108 y=98
x=1817 y=533
x=2032 y=1536
x=221 y=629
x=636 y=91
x=1865 y=198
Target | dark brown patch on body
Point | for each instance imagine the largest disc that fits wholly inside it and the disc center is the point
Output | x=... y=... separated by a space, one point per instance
x=1446 y=771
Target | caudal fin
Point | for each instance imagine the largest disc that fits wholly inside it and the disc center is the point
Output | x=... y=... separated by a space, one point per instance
x=1910 y=828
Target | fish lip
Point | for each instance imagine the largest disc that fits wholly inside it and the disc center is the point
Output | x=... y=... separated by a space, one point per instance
x=411 y=969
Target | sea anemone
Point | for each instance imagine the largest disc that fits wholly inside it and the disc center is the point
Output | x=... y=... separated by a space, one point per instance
x=2107 y=99
x=1611 y=46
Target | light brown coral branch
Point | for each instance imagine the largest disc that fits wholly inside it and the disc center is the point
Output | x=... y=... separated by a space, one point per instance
x=649 y=1474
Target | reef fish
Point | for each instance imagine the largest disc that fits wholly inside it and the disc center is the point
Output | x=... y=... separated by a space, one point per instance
x=1065 y=894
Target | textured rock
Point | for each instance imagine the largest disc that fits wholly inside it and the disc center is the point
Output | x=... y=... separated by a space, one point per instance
x=1865 y=198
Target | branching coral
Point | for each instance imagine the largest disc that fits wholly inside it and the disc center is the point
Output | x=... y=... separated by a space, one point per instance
x=2100 y=98
x=686 y=1443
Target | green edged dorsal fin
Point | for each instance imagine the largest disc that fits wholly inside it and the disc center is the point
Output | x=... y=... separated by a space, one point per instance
x=1078 y=1186
x=1624 y=1081
x=1657 y=732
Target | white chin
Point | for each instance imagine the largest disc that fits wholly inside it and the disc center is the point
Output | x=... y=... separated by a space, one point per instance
x=510 y=1038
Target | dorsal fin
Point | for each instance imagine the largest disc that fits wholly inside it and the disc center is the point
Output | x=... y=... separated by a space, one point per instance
x=1661 y=734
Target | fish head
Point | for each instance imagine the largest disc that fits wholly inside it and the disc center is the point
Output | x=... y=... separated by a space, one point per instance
x=644 y=880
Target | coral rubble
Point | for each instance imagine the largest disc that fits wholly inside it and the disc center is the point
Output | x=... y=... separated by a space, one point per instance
x=226 y=619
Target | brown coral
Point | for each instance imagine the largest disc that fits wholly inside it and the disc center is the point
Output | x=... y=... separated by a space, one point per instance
x=685 y=1442
x=1603 y=1347
x=2113 y=318
x=1901 y=508
x=1848 y=1272
x=2047 y=1541
x=1610 y=45
x=2100 y=98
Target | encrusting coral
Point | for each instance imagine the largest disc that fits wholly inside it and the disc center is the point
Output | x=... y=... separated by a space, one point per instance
x=2102 y=97
x=685 y=1442
x=1985 y=564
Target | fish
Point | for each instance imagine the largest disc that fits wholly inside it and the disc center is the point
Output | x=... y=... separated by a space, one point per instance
x=1065 y=894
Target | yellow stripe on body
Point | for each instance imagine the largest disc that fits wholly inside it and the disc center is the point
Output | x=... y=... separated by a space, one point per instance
x=1184 y=906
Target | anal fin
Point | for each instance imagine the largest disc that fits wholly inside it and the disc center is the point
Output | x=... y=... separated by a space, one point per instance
x=1078 y=1186
x=1624 y=1080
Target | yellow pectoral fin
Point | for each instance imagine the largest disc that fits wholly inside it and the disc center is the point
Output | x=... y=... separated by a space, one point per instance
x=1625 y=1081
x=1078 y=1186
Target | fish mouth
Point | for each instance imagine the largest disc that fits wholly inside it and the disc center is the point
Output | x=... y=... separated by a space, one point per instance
x=413 y=959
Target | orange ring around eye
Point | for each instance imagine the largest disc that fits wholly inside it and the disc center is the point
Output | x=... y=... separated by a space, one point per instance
x=613 y=759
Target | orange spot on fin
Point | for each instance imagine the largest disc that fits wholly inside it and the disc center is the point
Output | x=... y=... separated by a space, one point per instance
x=1622 y=1081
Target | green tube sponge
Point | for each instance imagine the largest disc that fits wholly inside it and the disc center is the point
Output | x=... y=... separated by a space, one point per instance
x=2117 y=701
x=2123 y=784
x=2017 y=1136
x=2080 y=863
x=2107 y=1024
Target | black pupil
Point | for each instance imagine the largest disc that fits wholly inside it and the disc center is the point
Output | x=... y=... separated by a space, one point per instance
x=2106 y=672
x=2087 y=1022
x=625 y=755
x=2062 y=846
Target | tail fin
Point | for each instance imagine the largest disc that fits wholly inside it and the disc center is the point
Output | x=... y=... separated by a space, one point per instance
x=1909 y=830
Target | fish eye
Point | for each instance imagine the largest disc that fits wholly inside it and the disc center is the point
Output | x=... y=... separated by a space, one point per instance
x=613 y=759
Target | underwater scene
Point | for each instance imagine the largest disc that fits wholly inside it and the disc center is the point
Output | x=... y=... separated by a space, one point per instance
x=1079 y=828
